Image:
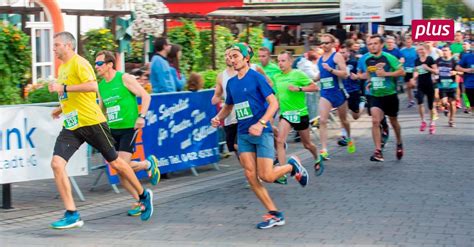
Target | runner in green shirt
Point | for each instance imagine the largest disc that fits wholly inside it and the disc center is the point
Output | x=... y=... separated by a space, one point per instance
x=118 y=95
x=270 y=68
x=290 y=87
x=381 y=70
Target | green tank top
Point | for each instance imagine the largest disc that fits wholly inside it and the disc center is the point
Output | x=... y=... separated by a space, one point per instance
x=120 y=104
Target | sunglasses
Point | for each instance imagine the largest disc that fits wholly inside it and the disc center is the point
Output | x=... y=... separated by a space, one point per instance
x=99 y=63
x=325 y=43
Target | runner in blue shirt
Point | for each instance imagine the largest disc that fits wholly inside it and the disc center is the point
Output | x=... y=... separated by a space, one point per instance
x=408 y=59
x=466 y=65
x=255 y=104
x=332 y=67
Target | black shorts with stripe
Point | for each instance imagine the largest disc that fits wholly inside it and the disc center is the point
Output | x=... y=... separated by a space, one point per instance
x=98 y=136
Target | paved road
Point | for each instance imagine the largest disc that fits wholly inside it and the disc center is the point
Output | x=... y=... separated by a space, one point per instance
x=426 y=199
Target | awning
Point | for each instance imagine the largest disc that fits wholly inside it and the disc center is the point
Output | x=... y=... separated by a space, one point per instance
x=292 y=16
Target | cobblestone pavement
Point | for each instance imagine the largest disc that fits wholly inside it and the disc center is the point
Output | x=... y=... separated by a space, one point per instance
x=426 y=199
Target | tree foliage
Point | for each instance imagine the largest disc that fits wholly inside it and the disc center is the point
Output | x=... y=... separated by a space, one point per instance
x=449 y=9
x=15 y=63
x=187 y=36
x=97 y=40
x=223 y=39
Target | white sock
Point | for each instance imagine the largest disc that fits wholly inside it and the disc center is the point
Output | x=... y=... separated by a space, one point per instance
x=148 y=167
x=361 y=105
x=343 y=132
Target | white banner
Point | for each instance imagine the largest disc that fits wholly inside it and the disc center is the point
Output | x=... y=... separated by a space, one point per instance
x=357 y=11
x=27 y=138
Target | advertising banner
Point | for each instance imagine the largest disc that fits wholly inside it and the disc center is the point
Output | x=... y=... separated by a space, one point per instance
x=27 y=138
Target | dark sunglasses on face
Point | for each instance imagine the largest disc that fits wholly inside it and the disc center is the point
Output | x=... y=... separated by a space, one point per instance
x=325 y=43
x=99 y=63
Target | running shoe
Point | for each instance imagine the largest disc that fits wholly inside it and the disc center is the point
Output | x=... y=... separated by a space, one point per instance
x=466 y=110
x=342 y=141
x=325 y=155
x=282 y=180
x=148 y=203
x=378 y=156
x=458 y=104
x=70 y=220
x=399 y=151
x=423 y=126
x=319 y=167
x=270 y=220
x=315 y=122
x=411 y=104
x=432 y=128
x=299 y=172
x=154 y=170
x=136 y=209
x=435 y=116
x=451 y=124
x=351 y=148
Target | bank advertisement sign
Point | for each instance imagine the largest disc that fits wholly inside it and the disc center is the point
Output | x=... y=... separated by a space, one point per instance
x=27 y=138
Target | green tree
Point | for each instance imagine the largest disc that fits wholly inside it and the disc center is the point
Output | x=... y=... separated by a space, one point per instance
x=97 y=40
x=187 y=36
x=451 y=9
x=15 y=64
x=223 y=39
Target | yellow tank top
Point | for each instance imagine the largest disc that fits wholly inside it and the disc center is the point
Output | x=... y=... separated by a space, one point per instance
x=79 y=109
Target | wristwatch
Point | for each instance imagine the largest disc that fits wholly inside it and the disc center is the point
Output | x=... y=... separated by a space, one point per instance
x=141 y=116
x=300 y=89
x=262 y=122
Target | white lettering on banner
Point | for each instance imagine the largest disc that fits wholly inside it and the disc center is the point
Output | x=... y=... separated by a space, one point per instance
x=203 y=132
x=186 y=143
x=168 y=112
x=151 y=118
x=198 y=116
x=185 y=157
x=162 y=135
x=176 y=128
x=27 y=138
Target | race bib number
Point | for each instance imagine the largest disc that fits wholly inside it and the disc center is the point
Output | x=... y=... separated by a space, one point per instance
x=113 y=113
x=243 y=110
x=71 y=120
x=409 y=69
x=446 y=82
x=292 y=116
x=378 y=83
x=327 y=83
x=421 y=70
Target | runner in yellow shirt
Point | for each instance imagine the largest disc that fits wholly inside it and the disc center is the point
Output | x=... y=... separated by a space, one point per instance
x=83 y=122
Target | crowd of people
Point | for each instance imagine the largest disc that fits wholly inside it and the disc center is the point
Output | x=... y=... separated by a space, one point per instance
x=263 y=102
x=261 y=108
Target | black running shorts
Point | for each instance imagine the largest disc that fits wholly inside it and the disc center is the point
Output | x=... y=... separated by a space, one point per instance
x=98 y=136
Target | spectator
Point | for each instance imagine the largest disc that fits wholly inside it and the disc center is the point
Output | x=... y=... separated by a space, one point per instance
x=340 y=33
x=142 y=77
x=286 y=37
x=173 y=58
x=160 y=70
x=195 y=82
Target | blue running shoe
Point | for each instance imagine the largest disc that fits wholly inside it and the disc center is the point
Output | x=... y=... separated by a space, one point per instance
x=155 y=171
x=270 y=220
x=70 y=220
x=148 y=203
x=299 y=172
x=137 y=209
